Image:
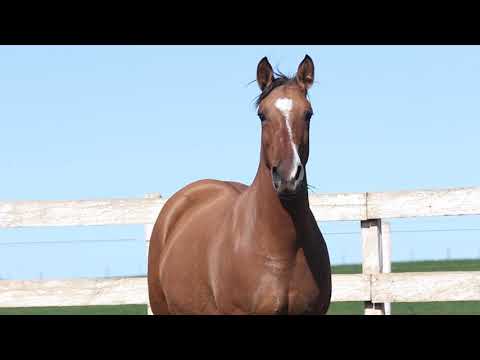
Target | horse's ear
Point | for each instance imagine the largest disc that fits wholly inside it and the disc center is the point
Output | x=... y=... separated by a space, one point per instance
x=264 y=73
x=305 y=73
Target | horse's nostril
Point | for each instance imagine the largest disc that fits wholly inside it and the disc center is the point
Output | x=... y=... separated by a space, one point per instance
x=275 y=178
x=299 y=170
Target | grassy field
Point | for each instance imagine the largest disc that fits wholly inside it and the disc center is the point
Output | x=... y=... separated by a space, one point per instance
x=339 y=308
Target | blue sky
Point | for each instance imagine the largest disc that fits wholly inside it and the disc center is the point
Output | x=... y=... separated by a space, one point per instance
x=82 y=122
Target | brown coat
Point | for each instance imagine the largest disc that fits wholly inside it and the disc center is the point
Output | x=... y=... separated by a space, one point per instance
x=226 y=248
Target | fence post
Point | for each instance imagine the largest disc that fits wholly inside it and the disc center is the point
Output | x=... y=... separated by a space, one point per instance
x=372 y=258
x=148 y=233
x=386 y=257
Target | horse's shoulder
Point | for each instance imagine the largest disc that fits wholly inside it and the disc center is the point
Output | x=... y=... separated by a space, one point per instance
x=206 y=190
x=192 y=200
x=238 y=187
x=210 y=187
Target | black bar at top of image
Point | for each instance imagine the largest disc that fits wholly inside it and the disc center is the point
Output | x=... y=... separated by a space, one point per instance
x=250 y=29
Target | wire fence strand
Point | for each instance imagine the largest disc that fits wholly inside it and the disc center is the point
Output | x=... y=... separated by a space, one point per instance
x=80 y=241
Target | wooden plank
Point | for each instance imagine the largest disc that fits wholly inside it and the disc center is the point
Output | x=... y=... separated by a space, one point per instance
x=371 y=231
x=120 y=291
x=394 y=287
x=350 y=287
x=338 y=206
x=426 y=286
x=400 y=204
x=79 y=212
x=386 y=258
x=325 y=207
x=372 y=258
x=78 y=292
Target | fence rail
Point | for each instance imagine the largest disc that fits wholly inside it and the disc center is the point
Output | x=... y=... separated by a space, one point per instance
x=395 y=287
x=325 y=207
x=376 y=286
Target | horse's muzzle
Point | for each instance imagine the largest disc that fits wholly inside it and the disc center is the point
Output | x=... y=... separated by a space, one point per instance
x=289 y=182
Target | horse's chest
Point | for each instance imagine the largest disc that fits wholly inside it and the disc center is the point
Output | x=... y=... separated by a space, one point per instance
x=302 y=301
x=304 y=294
x=270 y=295
x=265 y=286
x=278 y=295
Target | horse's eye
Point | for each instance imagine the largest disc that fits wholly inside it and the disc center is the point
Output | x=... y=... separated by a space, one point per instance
x=261 y=116
x=308 y=115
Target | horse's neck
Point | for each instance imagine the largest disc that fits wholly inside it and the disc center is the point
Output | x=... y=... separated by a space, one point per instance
x=275 y=223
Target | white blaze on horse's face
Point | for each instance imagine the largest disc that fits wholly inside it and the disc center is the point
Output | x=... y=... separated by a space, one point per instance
x=285 y=106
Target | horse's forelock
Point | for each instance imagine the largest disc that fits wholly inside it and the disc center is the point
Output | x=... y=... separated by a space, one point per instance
x=279 y=80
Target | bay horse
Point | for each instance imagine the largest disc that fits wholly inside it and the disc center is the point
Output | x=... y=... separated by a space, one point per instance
x=222 y=247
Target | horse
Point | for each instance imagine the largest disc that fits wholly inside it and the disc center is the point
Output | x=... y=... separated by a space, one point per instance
x=225 y=248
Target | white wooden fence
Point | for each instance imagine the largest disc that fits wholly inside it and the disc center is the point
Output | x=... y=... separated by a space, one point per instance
x=375 y=286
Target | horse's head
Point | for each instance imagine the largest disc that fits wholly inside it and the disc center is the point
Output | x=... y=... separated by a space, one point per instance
x=285 y=113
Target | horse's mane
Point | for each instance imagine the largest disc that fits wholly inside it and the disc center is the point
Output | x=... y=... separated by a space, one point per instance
x=279 y=79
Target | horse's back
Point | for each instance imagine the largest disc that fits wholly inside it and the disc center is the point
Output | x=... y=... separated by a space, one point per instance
x=182 y=231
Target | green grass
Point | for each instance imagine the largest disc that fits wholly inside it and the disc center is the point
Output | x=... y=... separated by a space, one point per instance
x=78 y=310
x=417 y=266
x=337 y=308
